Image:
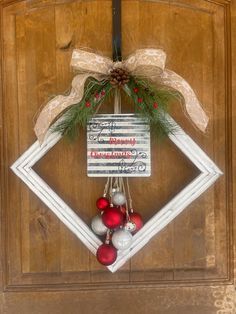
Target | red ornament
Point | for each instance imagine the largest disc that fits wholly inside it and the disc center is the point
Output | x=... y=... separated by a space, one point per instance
x=137 y=220
x=106 y=254
x=103 y=93
x=136 y=89
x=102 y=203
x=155 y=105
x=112 y=217
x=140 y=100
x=97 y=95
x=87 y=104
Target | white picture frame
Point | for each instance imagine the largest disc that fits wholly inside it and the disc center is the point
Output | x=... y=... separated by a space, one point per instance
x=209 y=173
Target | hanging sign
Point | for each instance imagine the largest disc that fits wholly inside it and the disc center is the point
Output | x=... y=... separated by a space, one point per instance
x=118 y=145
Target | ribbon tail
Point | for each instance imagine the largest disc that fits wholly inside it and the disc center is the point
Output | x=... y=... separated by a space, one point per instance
x=192 y=104
x=59 y=104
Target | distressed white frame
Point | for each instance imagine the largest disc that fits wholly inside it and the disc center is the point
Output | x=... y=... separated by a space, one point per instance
x=209 y=173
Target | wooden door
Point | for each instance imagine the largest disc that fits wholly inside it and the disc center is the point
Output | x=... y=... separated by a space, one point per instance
x=189 y=266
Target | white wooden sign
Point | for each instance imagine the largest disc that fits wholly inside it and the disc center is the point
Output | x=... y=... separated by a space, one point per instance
x=209 y=173
x=118 y=145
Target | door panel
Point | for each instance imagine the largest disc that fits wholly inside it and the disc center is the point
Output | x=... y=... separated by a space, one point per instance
x=40 y=253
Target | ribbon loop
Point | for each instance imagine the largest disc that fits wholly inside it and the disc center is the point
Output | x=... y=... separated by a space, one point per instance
x=85 y=61
x=148 y=62
x=192 y=104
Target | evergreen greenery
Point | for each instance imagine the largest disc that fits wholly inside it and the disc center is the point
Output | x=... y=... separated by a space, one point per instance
x=150 y=102
x=78 y=114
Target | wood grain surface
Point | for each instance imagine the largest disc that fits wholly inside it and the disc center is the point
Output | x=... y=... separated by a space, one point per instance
x=189 y=266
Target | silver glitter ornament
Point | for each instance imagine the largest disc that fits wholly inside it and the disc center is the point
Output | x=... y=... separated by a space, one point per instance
x=98 y=226
x=118 y=198
x=130 y=226
x=121 y=239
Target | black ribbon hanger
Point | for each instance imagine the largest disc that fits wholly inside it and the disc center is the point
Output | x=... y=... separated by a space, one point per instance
x=116 y=30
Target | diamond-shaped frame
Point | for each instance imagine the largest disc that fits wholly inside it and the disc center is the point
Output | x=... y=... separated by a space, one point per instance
x=209 y=173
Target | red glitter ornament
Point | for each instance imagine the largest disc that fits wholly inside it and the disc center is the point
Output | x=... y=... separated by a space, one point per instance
x=102 y=203
x=103 y=93
x=106 y=254
x=137 y=220
x=87 y=104
x=112 y=217
x=140 y=100
x=136 y=89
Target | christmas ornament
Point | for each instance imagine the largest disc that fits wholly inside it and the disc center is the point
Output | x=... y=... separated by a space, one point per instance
x=122 y=239
x=136 y=219
x=102 y=203
x=97 y=226
x=118 y=198
x=130 y=226
x=106 y=254
x=112 y=218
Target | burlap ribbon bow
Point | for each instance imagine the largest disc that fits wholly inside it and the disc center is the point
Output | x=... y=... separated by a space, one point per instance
x=144 y=62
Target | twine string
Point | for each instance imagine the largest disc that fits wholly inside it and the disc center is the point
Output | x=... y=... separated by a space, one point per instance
x=106 y=188
x=129 y=195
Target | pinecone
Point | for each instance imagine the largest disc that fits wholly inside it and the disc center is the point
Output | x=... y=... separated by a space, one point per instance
x=119 y=77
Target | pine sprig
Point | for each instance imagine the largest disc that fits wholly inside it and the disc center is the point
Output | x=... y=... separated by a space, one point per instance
x=78 y=115
x=152 y=102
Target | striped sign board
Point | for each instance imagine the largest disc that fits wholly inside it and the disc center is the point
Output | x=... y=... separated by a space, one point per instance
x=118 y=145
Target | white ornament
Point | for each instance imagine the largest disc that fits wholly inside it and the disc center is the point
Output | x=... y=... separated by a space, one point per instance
x=118 y=198
x=98 y=226
x=122 y=239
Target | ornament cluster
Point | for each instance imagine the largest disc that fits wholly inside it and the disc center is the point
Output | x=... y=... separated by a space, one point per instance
x=116 y=221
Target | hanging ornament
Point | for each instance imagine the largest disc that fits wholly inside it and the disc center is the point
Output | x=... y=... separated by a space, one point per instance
x=130 y=226
x=121 y=239
x=118 y=198
x=102 y=203
x=106 y=254
x=137 y=220
x=97 y=226
x=112 y=218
